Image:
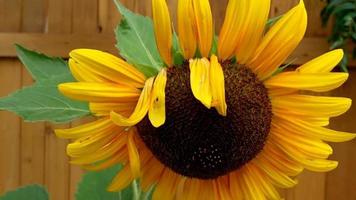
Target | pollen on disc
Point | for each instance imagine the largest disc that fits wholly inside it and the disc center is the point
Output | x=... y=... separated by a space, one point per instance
x=198 y=142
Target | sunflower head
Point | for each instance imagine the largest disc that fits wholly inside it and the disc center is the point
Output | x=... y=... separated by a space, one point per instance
x=225 y=124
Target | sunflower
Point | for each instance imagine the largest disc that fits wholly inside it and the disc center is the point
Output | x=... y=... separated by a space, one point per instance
x=224 y=125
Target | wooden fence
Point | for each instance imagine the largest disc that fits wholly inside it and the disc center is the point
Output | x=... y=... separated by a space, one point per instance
x=30 y=153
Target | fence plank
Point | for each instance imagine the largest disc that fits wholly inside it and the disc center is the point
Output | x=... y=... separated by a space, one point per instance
x=341 y=183
x=10 y=15
x=32 y=135
x=57 y=163
x=33 y=16
x=10 y=76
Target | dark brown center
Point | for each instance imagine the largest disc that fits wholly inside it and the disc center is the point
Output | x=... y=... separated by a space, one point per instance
x=198 y=142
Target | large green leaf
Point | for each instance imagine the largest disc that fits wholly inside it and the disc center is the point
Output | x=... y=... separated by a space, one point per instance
x=137 y=43
x=93 y=187
x=42 y=101
x=40 y=66
x=32 y=192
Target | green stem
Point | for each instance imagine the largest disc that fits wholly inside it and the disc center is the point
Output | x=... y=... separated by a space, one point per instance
x=136 y=193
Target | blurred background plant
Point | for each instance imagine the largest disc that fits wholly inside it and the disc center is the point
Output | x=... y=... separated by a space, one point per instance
x=342 y=15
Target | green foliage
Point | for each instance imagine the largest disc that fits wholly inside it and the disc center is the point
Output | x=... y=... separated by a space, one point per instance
x=42 y=101
x=344 y=25
x=93 y=187
x=178 y=58
x=136 y=42
x=32 y=192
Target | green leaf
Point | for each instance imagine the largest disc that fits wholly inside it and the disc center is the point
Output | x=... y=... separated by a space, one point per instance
x=214 y=48
x=178 y=58
x=42 y=101
x=136 y=42
x=93 y=187
x=40 y=66
x=32 y=192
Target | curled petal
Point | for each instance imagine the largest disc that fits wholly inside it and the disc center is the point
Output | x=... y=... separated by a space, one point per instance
x=140 y=110
x=217 y=84
x=200 y=81
x=157 y=111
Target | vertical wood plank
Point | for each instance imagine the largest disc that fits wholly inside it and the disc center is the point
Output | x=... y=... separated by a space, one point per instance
x=109 y=16
x=57 y=169
x=10 y=15
x=10 y=80
x=59 y=16
x=33 y=16
x=32 y=146
x=32 y=134
x=56 y=164
x=85 y=16
x=341 y=183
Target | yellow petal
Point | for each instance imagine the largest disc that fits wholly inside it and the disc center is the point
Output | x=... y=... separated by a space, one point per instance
x=217 y=84
x=200 y=81
x=222 y=188
x=250 y=28
x=186 y=30
x=103 y=153
x=317 y=165
x=311 y=147
x=99 y=92
x=204 y=25
x=92 y=143
x=140 y=110
x=157 y=111
x=277 y=177
x=166 y=187
x=85 y=129
x=279 y=42
x=151 y=173
x=230 y=30
x=119 y=157
x=280 y=160
x=163 y=29
x=314 y=82
x=121 y=180
x=191 y=189
x=312 y=105
x=108 y=66
x=262 y=182
x=273 y=92
x=133 y=154
x=324 y=63
x=83 y=74
x=104 y=109
x=252 y=190
x=235 y=185
x=296 y=126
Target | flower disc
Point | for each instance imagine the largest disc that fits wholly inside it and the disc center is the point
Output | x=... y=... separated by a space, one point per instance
x=198 y=142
